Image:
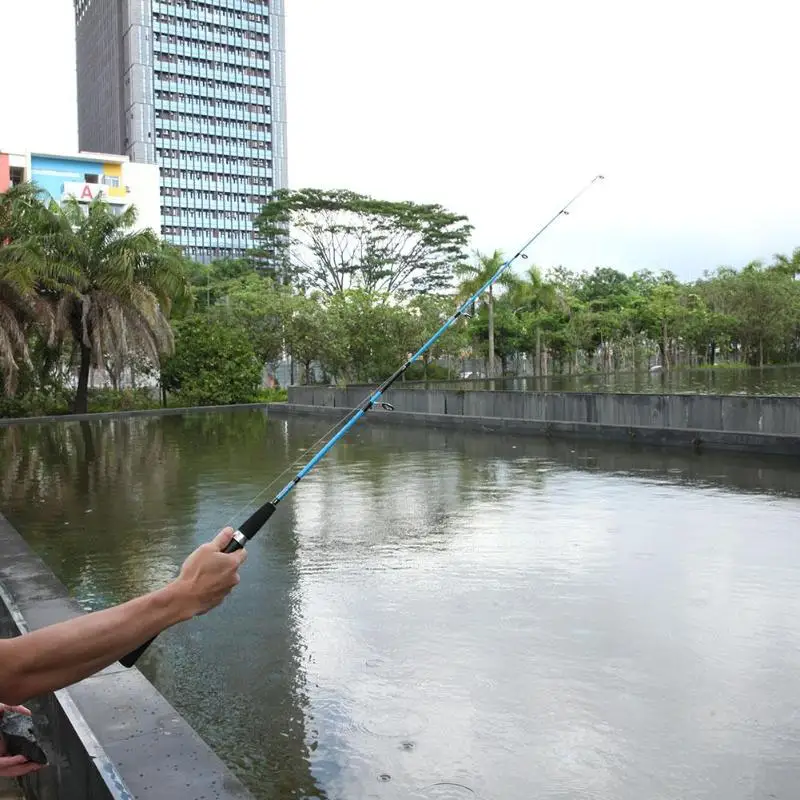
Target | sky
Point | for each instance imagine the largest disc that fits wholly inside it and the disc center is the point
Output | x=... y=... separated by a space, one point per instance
x=503 y=111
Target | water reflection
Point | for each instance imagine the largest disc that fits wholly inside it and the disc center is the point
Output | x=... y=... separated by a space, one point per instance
x=114 y=508
x=435 y=614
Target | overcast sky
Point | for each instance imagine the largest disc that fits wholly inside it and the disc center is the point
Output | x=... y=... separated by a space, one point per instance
x=503 y=110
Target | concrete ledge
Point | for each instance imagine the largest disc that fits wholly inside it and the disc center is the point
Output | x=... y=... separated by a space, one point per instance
x=693 y=438
x=775 y=416
x=112 y=735
x=151 y=412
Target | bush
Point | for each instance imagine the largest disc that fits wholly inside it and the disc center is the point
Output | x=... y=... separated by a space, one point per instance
x=277 y=395
x=35 y=404
x=436 y=372
x=101 y=400
x=214 y=364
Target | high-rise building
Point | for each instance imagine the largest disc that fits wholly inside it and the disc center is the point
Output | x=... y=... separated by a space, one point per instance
x=197 y=87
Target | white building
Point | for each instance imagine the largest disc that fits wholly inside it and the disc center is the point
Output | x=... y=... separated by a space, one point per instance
x=86 y=176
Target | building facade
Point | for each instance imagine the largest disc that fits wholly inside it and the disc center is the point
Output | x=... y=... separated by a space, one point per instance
x=197 y=87
x=88 y=176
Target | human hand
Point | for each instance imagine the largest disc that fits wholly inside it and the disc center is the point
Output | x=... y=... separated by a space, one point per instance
x=208 y=575
x=15 y=766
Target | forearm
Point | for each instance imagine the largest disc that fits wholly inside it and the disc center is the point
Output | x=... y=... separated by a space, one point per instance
x=62 y=654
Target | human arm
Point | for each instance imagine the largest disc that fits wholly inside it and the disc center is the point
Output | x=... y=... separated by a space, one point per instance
x=62 y=654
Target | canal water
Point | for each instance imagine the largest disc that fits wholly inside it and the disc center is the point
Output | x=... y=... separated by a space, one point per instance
x=447 y=615
x=773 y=381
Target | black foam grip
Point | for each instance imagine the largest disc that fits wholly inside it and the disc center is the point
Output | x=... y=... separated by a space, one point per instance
x=132 y=657
x=232 y=546
x=251 y=526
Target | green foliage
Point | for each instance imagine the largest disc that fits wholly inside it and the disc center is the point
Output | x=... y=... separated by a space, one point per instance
x=310 y=332
x=271 y=395
x=91 y=280
x=214 y=363
x=788 y=265
x=508 y=330
x=766 y=305
x=260 y=308
x=336 y=240
x=428 y=313
x=372 y=337
x=34 y=404
x=210 y=283
x=607 y=320
x=473 y=276
x=428 y=372
x=355 y=290
x=104 y=400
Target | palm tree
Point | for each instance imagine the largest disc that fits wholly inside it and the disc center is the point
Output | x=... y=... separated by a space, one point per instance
x=536 y=297
x=788 y=265
x=21 y=305
x=475 y=275
x=116 y=287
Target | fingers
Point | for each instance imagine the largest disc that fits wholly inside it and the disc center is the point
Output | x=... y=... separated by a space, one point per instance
x=18 y=709
x=220 y=541
x=18 y=770
x=11 y=761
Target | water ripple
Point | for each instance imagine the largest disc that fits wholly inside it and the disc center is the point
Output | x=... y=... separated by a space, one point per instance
x=442 y=615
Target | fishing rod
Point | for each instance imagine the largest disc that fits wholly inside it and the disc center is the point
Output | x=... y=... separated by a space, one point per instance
x=253 y=524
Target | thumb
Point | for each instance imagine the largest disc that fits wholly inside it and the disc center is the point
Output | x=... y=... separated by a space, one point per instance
x=221 y=540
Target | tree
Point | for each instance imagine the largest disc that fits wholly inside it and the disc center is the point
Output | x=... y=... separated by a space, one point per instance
x=507 y=336
x=259 y=307
x=788 y=265
x=473 y=276
x=538 y=302
x=116 y=285
x=211 y=282
x=335 y=240
x=766 y=306
x=428 y=313
x=371 y=338
x=214 y=363
x=605 y=286
x=309 y=336
x=22 y=217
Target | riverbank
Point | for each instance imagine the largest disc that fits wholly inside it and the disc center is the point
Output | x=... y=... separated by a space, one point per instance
x=769 y=425
x=148 y=412
x=108 y=401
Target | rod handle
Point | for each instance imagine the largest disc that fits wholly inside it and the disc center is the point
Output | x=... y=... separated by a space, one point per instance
x=248 y=529
x=132 y=657
x=232 y=546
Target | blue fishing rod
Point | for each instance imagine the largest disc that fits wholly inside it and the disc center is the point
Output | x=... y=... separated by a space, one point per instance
x=253 y=524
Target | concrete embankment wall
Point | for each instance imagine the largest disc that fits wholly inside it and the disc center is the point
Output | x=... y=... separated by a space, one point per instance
x=750 y=423
x=112 y=735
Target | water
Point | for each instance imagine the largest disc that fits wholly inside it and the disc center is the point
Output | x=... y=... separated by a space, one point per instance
x=442 y=615
x=776 y=381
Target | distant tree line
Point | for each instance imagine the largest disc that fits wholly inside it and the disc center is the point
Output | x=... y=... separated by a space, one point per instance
x=347 y=287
